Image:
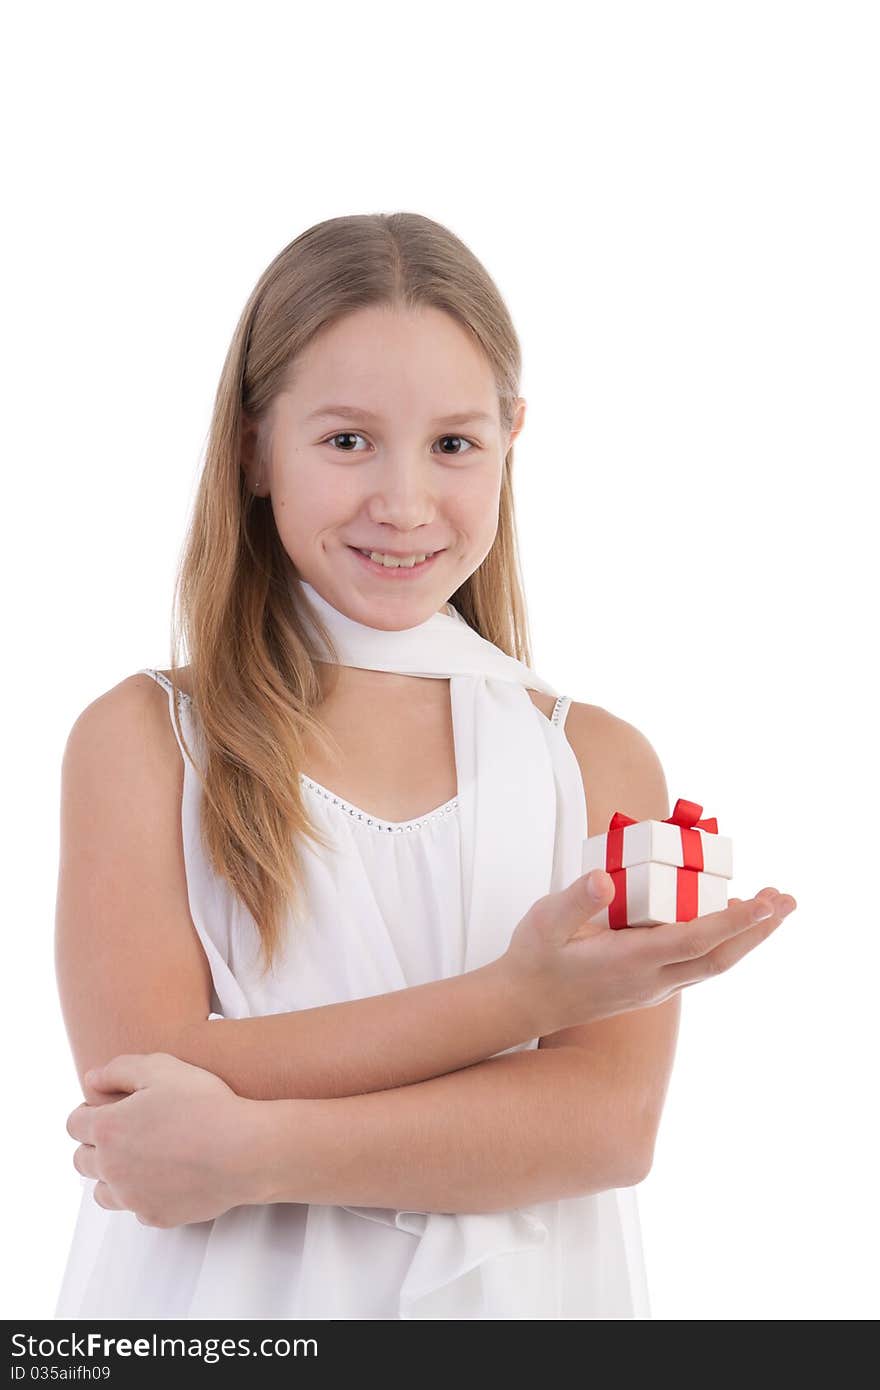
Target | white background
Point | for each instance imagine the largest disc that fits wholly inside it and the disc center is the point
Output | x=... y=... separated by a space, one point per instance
x=679 y=202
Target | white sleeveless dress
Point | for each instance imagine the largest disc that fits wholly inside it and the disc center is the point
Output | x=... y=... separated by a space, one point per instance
x=393 y=894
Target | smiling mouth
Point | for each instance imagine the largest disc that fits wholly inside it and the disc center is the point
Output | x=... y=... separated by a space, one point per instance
x=391 y=561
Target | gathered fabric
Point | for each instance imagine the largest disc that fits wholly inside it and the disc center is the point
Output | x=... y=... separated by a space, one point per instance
x=456 y=881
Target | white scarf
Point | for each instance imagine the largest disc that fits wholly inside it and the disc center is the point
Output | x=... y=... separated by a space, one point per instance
x=506 y=789
x=523 y=824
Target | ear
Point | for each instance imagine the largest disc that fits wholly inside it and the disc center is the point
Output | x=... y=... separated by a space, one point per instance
x=519 y=419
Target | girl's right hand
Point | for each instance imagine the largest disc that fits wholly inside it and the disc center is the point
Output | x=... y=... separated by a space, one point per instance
x=573 y=970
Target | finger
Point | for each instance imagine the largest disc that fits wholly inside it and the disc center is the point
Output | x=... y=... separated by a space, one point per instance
x=85 y=1160
x=103 y=1195
x=130 y=1071
x=600 y=889
x=558 y=915
x=672 y=942
x=717 y=961
x=773 y=892
x=768 y=895
x=81 y=1123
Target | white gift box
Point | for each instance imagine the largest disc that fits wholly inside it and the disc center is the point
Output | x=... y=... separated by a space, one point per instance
x=663 y=871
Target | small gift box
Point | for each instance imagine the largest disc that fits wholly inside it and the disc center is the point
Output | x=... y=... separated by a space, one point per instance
x=663 y=870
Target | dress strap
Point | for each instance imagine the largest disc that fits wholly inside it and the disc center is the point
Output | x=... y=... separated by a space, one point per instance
x=184 y=698
x=560 y=710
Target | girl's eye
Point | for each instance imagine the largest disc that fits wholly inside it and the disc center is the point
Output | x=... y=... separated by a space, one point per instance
x=351 y=434
x=346 y=434
x=461 y=440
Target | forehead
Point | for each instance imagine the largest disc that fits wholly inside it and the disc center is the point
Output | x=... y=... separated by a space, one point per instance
x=383 y=361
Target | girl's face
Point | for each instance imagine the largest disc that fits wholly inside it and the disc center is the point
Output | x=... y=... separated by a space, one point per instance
x=390 y=441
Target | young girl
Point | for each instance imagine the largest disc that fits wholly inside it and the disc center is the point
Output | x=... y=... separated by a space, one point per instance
x=372 y=1054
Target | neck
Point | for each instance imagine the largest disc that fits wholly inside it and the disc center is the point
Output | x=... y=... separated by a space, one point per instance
x=340 y=683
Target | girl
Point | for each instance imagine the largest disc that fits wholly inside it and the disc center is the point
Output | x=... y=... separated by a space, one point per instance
x=372 y=1053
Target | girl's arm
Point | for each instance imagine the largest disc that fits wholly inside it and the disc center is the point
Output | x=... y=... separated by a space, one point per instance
x=133 y=976
x=527 y=1127
x=364 y=1045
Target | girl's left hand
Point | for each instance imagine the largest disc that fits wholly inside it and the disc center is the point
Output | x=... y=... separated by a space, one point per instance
x=175 y=1150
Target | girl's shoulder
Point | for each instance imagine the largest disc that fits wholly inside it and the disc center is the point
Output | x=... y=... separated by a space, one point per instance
x=620 y=768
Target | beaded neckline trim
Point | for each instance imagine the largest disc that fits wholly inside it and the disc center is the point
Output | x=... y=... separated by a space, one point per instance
x=388 y=826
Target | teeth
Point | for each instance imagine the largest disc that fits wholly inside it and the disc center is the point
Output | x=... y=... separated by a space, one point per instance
x=392 y=562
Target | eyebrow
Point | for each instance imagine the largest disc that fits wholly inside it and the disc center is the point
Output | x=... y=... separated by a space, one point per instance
x=354 y=412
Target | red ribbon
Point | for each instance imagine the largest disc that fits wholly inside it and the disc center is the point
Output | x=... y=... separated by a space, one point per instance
x=687 y=817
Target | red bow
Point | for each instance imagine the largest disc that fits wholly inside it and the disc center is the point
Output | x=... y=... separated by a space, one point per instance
x=687 y=816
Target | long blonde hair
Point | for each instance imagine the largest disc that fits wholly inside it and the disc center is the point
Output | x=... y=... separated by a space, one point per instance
x=254 y=682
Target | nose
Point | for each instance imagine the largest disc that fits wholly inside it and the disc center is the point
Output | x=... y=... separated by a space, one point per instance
x=402 y=495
